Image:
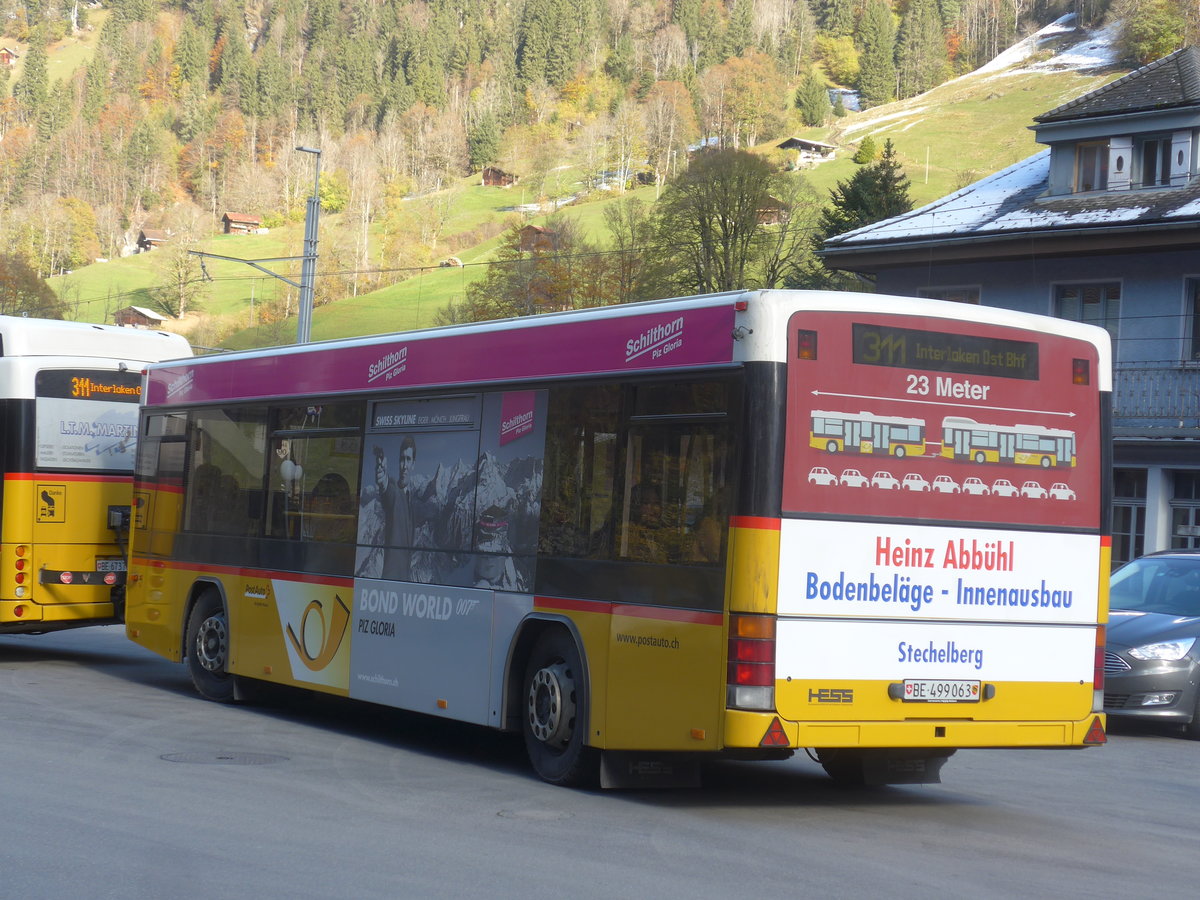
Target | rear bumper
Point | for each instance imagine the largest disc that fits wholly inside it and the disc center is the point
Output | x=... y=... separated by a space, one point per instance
x=748 y=729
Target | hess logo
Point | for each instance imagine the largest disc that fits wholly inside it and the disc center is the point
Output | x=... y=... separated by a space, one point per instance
x=831 y=695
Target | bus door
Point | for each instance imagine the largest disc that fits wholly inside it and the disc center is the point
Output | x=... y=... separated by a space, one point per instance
x=1008 y=446
x=962 y=442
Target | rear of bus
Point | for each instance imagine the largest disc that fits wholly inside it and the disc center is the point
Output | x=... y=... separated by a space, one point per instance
x=68 y=413
x=927 y=611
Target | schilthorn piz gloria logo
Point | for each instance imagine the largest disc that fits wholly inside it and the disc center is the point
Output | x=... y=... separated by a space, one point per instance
x=389 y=366
x=657 y=341
x=180 y=385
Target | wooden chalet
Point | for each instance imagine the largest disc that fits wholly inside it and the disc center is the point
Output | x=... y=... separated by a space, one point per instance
x=138 y=317
x=149 y=238
x=240 y=223
x=494 y=177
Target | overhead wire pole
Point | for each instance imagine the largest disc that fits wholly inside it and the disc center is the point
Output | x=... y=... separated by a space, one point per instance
x=308 y=269
x=308 y=262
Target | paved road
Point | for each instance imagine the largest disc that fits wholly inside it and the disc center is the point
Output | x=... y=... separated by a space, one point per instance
x=117 y=781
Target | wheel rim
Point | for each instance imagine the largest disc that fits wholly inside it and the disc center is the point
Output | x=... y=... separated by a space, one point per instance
x=212 y=644
x=550 y=707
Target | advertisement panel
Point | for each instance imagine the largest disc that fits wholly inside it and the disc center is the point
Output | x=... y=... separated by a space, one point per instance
x=883 y=570
x=910 y=418
x=810 y=649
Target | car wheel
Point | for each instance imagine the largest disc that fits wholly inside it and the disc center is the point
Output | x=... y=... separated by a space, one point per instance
x=1192 y=729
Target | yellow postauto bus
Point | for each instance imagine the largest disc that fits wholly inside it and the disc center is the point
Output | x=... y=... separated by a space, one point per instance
x=69 y=395
x=602 y=529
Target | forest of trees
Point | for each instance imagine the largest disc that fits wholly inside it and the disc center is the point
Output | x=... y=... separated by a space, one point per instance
x=187 y=108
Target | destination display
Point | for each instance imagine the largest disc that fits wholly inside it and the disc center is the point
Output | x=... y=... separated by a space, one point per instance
x=939 y=351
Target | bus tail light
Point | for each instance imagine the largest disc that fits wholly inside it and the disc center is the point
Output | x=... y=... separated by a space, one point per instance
x=806 y=344
x=750 y=683
x=1081 y=371
x=1098 y=670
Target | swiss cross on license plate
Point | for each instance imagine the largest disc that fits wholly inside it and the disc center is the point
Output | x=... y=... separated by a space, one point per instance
x=935 y=690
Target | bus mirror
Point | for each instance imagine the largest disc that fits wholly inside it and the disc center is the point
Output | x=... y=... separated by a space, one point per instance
x=118 y=518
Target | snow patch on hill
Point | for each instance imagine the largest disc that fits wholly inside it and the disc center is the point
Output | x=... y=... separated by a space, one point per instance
x=1071 y=49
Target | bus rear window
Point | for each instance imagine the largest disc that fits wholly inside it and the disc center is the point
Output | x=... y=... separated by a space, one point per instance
x=86 y=420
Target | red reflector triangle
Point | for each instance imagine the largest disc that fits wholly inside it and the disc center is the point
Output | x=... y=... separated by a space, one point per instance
x=1096 y=733
x=775 y=735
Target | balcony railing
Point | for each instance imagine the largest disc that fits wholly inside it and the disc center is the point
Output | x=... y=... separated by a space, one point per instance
x=1156 y=395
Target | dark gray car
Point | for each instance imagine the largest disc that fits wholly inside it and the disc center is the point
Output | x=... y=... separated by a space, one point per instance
x=1152 y=659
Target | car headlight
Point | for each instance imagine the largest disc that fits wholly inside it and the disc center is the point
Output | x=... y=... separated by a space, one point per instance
x=1163 y=649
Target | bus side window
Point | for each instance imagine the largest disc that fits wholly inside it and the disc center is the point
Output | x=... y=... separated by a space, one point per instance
x=579 y=472
x=674 y=495
x=330 y=513
x=223 y=490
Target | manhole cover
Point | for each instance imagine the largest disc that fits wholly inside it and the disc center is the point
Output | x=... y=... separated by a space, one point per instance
x=224 y=758
x=535 y=815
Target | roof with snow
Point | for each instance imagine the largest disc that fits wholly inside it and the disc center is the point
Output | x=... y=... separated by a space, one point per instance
x=1011 y=207
x=1166 y=83
x=1002 y=215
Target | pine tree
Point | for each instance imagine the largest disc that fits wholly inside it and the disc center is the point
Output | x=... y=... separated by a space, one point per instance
x=873 y=193
x=876 y=40
x=921 y=48
x=191 y=55
x=33 y=86
x=483 y=142
x=739 y=34
x=867 y=151
x=836 y=16
x=812 y=99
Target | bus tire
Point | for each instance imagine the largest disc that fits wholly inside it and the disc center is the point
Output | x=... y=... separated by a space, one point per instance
x=1045 y=462
x=899 y=451
x=831 y=446
x=554 y=712
x=980 y=458
x=207 y=648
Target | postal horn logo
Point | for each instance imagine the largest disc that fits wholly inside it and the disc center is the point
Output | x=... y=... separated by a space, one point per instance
x=655 y=342
x=326 y=635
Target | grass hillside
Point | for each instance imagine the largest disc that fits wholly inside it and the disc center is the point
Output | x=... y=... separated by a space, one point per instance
x=946 y=138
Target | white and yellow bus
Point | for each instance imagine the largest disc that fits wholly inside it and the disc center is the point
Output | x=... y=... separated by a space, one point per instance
x=69 y=395
x=1023 y=444
x=595 y=528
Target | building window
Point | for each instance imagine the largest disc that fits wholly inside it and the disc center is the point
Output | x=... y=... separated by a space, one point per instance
x=1185 y=511
x=953 y=294
x=1193 y=307
x=1091 y=166
x=1128 y=515
x=1098 y=303
x=1152 y=161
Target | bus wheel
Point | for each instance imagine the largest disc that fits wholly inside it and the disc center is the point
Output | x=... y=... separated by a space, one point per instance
x=1045 y=462
x=553 y=719
x=831 y=446
x=208 y=648
x=899 y=451
x=980 y=458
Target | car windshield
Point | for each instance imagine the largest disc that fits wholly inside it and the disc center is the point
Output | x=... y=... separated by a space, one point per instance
x=1169 y=585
